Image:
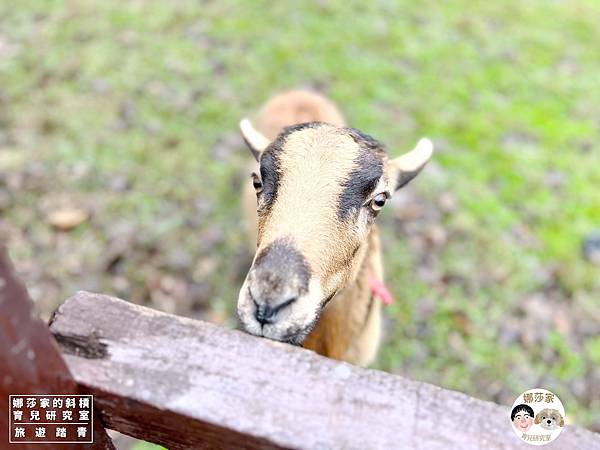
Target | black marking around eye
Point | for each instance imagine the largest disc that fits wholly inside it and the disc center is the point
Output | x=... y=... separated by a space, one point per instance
x=364 y=178
x=270 y=175
x=270 y=166
x=366 y=141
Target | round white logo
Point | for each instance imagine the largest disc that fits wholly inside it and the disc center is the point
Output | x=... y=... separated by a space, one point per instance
x=537 y=416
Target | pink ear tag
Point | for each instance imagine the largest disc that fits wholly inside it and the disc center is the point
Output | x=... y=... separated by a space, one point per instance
x=380 y=290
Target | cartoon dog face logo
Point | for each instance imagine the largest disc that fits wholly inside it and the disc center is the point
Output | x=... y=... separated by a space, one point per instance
x=549 y=419
x=522 y=417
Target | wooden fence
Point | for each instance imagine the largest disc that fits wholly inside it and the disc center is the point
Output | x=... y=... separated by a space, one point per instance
x=185 y=384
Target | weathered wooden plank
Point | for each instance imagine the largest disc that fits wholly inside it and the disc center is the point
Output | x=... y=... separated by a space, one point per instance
x=30 y=361
x=185 y=383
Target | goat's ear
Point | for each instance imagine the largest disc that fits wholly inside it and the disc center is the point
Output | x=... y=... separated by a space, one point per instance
x=255 y=141
x=404 y=168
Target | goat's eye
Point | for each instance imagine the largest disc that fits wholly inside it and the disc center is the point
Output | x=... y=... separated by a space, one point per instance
x=258 y=186
x=378 y=202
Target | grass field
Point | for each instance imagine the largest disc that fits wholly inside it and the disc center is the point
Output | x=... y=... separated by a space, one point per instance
x=127 y=110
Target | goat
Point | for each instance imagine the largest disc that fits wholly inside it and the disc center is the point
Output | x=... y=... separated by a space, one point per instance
x=314 y=197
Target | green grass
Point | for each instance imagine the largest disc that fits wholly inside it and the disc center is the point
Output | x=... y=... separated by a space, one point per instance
x=146 y=446
x=508 y=91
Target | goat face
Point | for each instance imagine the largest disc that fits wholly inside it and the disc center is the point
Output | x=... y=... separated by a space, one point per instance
x=319 y=190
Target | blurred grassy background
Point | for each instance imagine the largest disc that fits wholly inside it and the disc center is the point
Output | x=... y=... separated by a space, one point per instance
x=125 y=112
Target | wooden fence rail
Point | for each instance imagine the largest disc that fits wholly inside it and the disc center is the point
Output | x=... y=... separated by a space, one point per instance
x=189 y=384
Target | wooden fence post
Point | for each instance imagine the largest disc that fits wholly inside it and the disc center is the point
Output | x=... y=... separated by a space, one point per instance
x=30 y=360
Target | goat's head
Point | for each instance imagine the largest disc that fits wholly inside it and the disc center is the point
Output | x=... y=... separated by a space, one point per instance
x=319 y=190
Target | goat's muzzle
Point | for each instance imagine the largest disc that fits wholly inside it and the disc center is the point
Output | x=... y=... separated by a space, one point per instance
x=276 y=299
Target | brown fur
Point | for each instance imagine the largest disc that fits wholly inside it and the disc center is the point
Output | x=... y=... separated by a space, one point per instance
x=350 y=325
x=290 y=108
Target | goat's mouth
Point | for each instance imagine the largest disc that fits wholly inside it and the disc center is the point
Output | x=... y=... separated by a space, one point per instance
x=297 y=337
x=293 y=335
x=291 y=323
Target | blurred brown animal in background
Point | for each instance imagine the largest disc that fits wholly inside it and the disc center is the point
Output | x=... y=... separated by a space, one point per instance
x=315 y=193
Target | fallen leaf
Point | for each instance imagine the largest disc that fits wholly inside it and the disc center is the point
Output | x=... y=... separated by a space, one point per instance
x=67 y=218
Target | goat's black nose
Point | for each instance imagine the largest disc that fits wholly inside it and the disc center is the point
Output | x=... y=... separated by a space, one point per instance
x=267 y=313
x=277 y=278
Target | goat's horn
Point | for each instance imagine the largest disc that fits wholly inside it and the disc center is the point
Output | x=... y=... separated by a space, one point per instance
x=407 y=166
x=417 y=157
x=255 y=140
